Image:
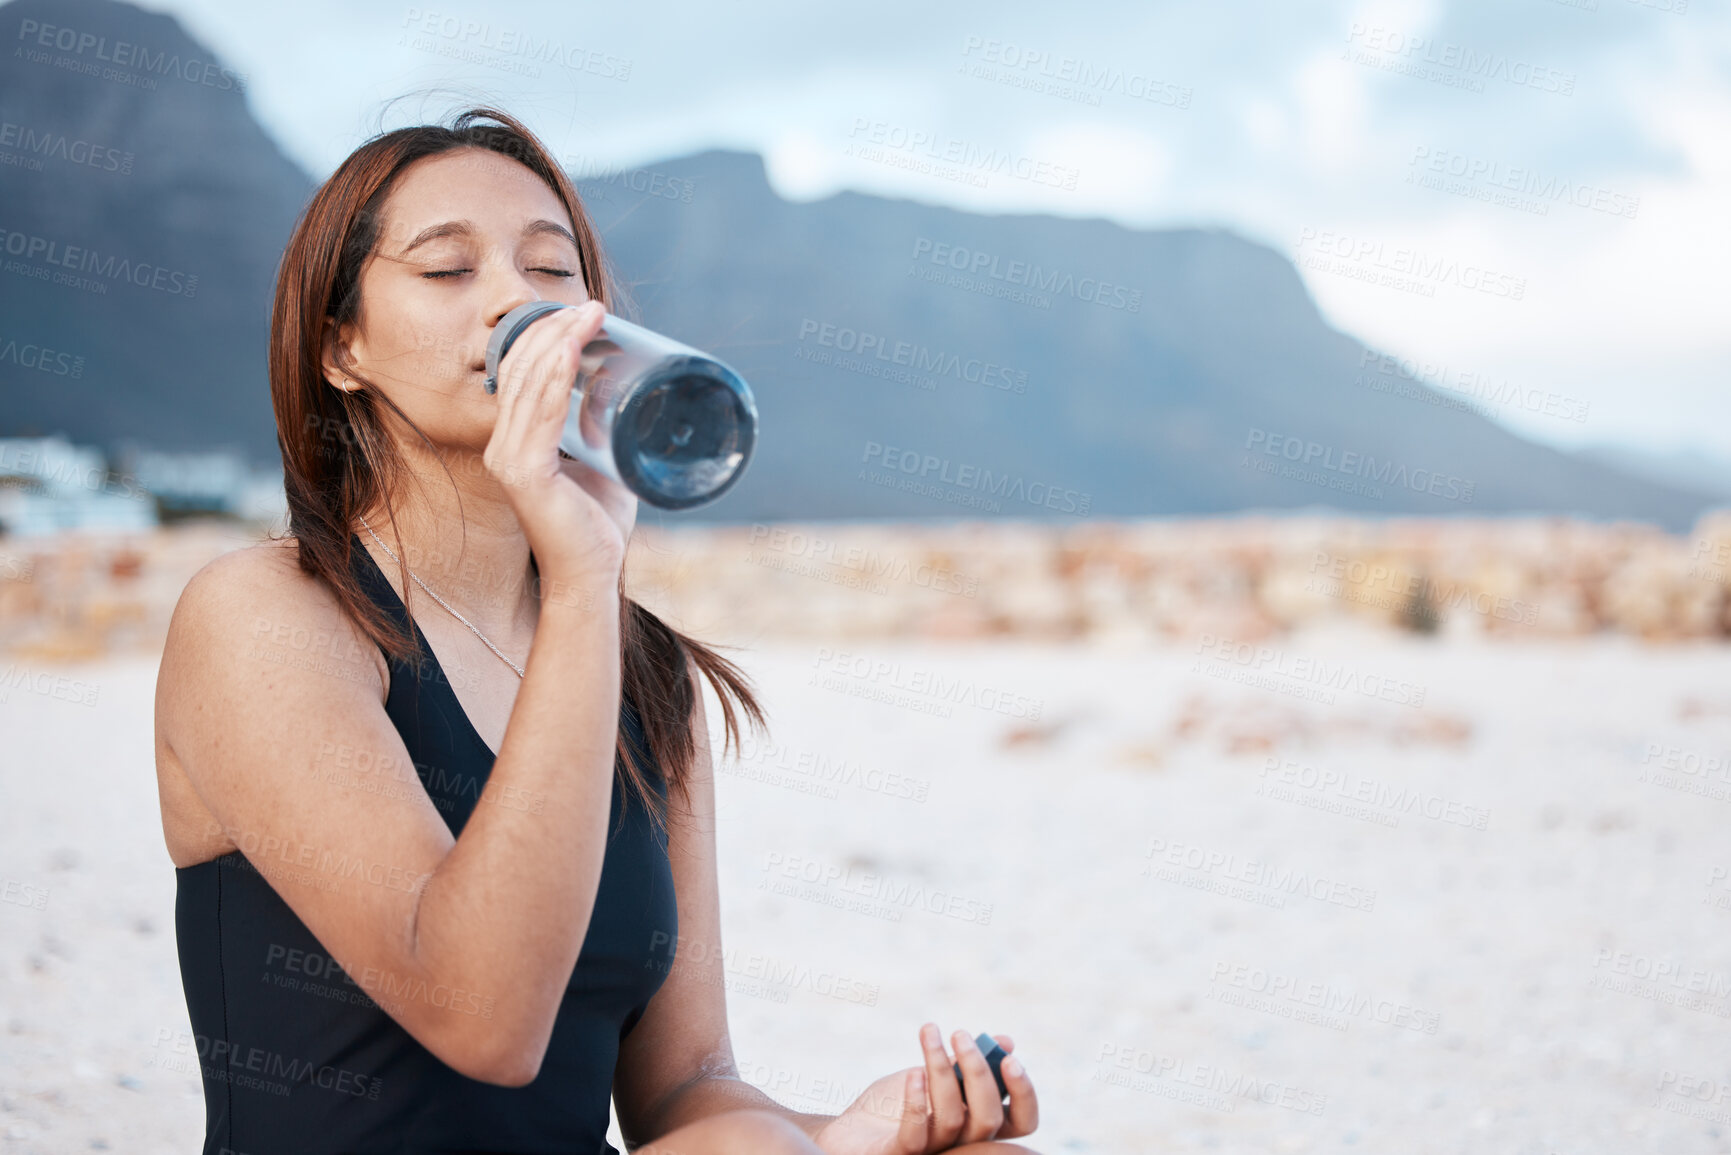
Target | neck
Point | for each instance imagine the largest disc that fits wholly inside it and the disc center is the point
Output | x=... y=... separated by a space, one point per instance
x=458 y=533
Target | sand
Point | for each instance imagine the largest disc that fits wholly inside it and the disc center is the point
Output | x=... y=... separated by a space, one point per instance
x=1475 y=902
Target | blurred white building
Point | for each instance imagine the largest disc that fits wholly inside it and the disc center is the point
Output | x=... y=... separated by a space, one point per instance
x=47 y=485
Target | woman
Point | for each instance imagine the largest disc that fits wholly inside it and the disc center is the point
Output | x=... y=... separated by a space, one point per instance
x=433 y=867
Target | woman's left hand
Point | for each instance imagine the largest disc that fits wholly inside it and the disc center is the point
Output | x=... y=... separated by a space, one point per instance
x=920 y=1109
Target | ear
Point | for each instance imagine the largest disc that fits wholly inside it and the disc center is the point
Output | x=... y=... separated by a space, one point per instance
x=333 y=356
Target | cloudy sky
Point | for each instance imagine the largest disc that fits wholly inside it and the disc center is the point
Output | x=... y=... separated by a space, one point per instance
x=1520 y=194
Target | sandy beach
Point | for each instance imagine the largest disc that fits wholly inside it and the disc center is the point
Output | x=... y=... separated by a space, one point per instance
x=1469 y=895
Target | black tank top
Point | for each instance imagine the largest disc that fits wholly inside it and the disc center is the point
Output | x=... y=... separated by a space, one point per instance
x=297 y=1060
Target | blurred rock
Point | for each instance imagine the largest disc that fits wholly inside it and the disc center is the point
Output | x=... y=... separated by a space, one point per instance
x=1110 y=583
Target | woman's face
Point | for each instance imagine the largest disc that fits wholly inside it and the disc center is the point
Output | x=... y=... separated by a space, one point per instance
x=464 y=237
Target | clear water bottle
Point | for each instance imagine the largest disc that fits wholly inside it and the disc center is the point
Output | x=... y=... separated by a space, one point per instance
x=673 y=425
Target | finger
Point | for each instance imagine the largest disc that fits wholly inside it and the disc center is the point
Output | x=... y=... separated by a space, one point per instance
x=540 y=418
x=548 y=369
x=1024 y=1104
x=517 y=368
x=535 y=398
x=948 y=1110
x=554 y=363
x=985 y=1109
x=913 y=1137
x=1005 y=1042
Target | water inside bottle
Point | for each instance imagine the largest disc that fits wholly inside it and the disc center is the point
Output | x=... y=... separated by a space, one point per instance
x=684 y=436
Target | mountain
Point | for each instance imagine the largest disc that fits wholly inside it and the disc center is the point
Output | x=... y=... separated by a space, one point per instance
x=1203 y=359
x=1686 y=468
x=909 y=361
x=144 y=212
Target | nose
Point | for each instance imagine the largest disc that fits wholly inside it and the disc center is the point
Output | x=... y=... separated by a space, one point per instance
x=507 y=287
x=503 y=303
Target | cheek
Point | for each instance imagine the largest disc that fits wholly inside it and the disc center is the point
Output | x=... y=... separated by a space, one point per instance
x=419 y=358
x=427 y=345
x=450 y=412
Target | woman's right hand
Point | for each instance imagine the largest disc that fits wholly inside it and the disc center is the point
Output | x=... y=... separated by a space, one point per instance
x=576 y=531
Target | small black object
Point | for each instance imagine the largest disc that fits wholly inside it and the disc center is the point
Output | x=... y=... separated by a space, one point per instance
x=994 y=1059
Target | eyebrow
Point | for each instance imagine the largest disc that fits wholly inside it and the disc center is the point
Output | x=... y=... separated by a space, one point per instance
x=465 y=228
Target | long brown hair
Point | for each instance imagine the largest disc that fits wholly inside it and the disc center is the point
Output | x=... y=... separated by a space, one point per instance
x=339 y=461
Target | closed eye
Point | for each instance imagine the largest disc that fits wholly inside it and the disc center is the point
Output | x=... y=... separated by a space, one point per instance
x=436 y=274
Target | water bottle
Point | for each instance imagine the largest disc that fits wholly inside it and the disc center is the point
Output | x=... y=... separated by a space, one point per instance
x=673 y=425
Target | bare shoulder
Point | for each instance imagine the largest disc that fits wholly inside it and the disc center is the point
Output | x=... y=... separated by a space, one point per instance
x=257 y=599
x=253 y=617
x=252 y=636
x=267 y=575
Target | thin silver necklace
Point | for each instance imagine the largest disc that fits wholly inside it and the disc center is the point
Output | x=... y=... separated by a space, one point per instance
x=442 y=601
